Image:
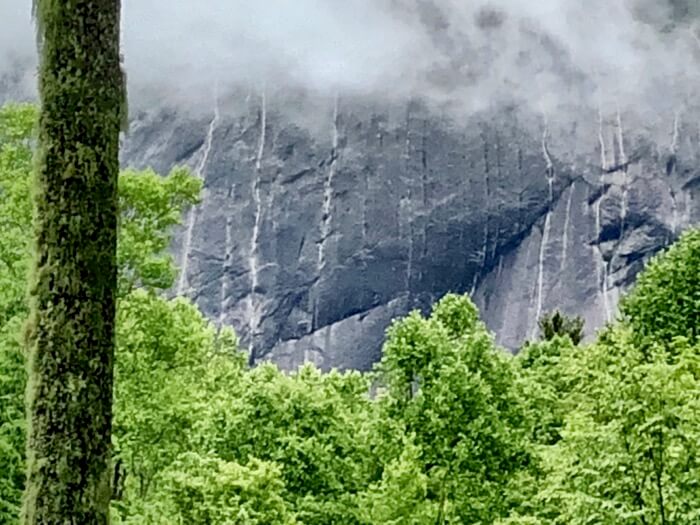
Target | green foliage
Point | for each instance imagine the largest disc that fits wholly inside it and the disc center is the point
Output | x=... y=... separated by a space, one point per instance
x=401 y=497
x=16 y=125
x=317 y=427
x=617 y=421
x=557 y=324
x=665 y=302
x=201 y=438
x=169 y=361
x=629 y=452
x=12 y=425
x=544 y=384
x=162 y=347
x=210 y=490
x=150 y=206
x=457 y=394
x=449 y=429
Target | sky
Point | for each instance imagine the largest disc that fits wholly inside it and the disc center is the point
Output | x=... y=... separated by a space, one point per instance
x=542 y=53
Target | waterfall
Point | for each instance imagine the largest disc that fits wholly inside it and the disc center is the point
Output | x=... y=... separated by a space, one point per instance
x=253 y=263
x=327 y=208
x=547 y=225
x=567 y=221
x=540 y=265
x=623 y=161
x=602 y=266
x=674 y=150
x=602 y=270
x=192 y=213
x=228 y=257
x=407 y=234
x=407 y=204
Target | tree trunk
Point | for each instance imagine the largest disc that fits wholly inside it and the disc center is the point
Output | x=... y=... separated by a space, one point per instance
x=70 y=333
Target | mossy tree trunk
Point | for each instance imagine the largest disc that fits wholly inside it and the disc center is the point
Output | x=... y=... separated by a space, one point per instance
x=70 y=333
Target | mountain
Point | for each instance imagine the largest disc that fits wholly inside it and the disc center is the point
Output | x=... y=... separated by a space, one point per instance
x=323 y=219
x=533 y=154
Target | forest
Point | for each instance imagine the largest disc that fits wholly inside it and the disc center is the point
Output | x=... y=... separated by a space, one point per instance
x=447 y=429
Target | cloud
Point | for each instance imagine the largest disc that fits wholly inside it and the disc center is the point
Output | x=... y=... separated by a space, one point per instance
x=16 y=40
x=471 y=54
x=318 y=44
x=17 y=49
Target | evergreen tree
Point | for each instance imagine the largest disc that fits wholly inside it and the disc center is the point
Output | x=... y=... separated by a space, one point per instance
x=70 y=333
x=558 y=324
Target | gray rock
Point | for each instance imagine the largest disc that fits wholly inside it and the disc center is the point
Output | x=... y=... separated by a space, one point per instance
x=324 y=220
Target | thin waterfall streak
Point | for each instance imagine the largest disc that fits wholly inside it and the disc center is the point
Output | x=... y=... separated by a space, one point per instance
x=327 y=208
x=547 y=226
x=485 y=246
x=676 y=132
x=548 y=161
x=624 y=163
x=253 y=263
x=606 y=299
x=602 y=266
x=263 y=131
x=223 y=298
x=409 y=266
x=409 y=207
x=192 y=212
x=695 y=37
x=487 y=200
x=494 y=248
x=601 y=141
x=621 y=140
x=540 y=266
x=407 y=233
x=255 y=237
x=688 y=206
x=473 y=288
x=545 y=148
x=674 y=211
x=567 y=220
x=675 y=137
x=598 y=267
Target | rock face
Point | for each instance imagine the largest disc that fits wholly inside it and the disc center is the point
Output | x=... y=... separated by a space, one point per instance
x=323 y=220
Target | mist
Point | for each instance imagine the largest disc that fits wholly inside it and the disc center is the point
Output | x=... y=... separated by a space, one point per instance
x=545 y=54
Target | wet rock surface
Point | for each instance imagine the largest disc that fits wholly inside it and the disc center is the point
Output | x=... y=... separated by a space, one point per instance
x=321 y=221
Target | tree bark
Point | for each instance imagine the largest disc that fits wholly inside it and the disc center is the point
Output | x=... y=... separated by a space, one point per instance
x=70 y=333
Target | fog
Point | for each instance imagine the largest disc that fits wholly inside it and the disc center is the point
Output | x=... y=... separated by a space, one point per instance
x=468 y=53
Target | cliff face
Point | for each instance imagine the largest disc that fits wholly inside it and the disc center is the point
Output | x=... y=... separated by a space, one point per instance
x=323 y=220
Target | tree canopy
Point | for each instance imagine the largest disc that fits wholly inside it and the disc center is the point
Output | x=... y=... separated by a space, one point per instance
x=449 y=428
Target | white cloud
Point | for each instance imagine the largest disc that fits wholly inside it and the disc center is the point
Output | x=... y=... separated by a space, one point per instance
x=542 y=52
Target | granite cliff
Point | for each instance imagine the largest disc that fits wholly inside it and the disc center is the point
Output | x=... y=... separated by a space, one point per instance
x=323 y=219
x=364 y=158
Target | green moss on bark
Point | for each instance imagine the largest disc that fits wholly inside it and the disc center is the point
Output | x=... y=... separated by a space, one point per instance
x=70 y=333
